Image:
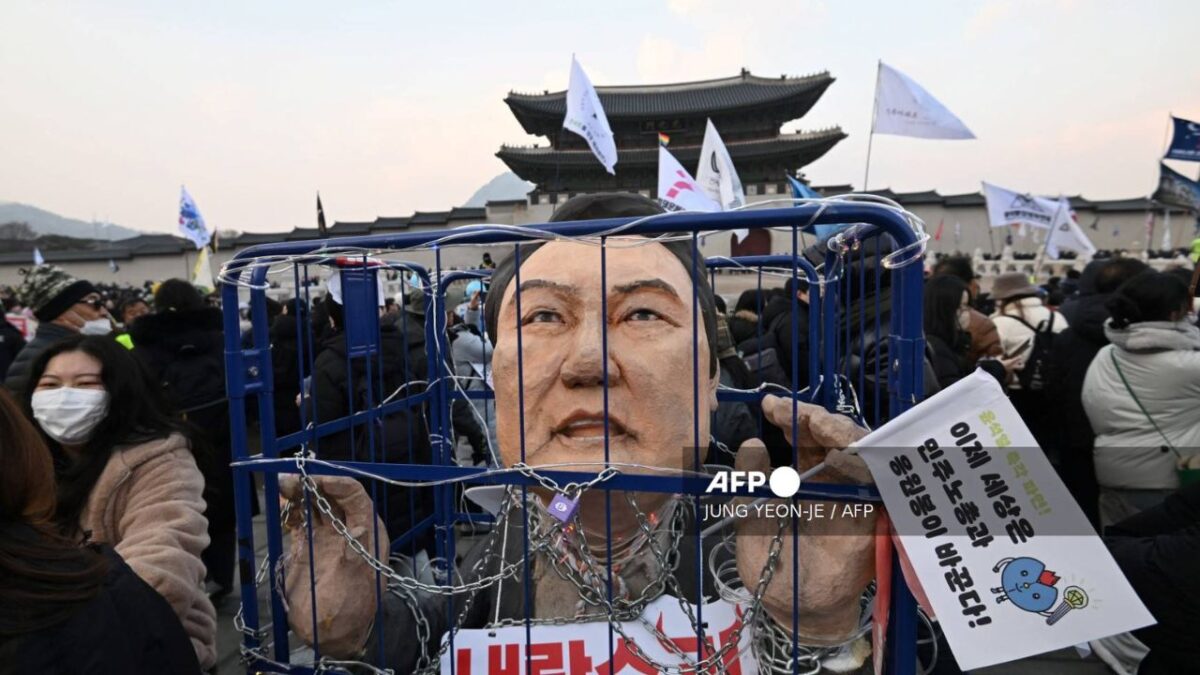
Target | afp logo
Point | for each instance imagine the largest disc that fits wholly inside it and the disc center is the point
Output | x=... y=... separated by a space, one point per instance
x=783 y=481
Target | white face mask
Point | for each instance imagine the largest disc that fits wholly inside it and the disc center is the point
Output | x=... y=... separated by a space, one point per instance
x=69 y=415
x=96 y=327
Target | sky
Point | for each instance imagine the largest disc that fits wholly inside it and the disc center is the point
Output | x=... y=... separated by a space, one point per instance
x=392 y=107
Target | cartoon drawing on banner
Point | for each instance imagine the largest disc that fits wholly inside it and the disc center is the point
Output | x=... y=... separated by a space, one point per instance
x=1028 y=585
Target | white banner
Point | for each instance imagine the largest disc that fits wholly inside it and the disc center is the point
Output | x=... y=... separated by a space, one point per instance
x=191 y=223
x=582 y=648
x=1067 y=235
x=585 y=116
x=1008 y=562
x=677 y=190
x=1008 y=207
x=718 y=177
x=904 y=108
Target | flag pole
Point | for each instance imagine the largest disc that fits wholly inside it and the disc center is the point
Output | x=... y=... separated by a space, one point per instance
x=1046 y=247
x=991 y=239
x=871 y=134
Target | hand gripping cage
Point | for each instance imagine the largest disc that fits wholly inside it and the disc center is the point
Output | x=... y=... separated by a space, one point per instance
x=865 y=359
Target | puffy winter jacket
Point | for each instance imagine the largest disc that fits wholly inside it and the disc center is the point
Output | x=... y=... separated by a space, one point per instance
x=1013 y=333
x=1160 y=361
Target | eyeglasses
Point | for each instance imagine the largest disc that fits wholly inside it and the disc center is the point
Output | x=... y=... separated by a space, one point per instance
x=94 y=303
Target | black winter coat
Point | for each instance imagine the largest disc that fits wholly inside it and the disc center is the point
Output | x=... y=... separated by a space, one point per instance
x=127 y=628
x=11 y=343
x=185 y=353
x=1072 y=352
x=400 y=437
x=17 y=377
x=1158 y=550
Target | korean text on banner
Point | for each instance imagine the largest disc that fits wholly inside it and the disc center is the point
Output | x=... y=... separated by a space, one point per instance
x=583 y=648
x=1002 y=551
x=904 y=108
x=1177 y=189
x=1007 y=207
x=585 y=116
x=1185 y=142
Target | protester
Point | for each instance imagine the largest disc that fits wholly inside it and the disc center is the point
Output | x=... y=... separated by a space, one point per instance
x=471 y=356
x=1140 y=394
x=947 y=314
x=985 y=339
x=340 y=382
x=125 y=470
x=780 y=351
x=1070 y=356
x=182 y=346
x=64 y=306
x=291 y=359
x=67 y=608
x=11 y=343
x=130 y=308
x=743 y=323
x=1027 y=327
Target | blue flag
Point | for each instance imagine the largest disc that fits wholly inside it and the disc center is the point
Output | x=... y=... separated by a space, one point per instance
x=1177 y=189
x=802 y=191
x=1185 y=144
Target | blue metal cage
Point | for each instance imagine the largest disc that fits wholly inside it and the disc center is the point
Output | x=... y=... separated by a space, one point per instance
x=838 y=376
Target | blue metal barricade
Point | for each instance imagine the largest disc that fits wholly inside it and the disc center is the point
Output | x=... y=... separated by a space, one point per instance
x=877 y=303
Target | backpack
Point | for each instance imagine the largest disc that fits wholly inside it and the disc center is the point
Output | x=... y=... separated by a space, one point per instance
x=1035 y=376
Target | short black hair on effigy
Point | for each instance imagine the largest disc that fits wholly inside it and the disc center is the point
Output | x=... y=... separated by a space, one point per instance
x=598 y=207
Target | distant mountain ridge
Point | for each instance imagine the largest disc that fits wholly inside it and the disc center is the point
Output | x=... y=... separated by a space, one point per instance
x=44 y=222
x=503 y=187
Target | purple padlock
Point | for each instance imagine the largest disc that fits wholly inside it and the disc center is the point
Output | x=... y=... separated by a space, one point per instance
x=563 y=507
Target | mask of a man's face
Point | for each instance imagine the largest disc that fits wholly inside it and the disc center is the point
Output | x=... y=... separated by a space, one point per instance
x=652 y=396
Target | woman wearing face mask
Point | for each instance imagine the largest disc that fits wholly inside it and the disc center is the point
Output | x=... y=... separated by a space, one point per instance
x=126 y=474
x=947 y=316
x=63 y=607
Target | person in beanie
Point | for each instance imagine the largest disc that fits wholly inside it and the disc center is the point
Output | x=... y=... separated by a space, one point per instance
x=64 y=306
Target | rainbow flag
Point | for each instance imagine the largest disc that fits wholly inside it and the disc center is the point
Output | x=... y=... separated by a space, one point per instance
x=664 y=139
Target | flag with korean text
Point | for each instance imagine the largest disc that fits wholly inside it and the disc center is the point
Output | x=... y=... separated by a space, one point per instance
x=677 y=190
x=905 y=108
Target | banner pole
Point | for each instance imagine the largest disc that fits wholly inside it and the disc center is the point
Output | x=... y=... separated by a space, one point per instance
x=1046 y=247
x=871 y=135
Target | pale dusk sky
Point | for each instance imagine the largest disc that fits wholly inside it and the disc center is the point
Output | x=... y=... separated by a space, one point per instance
x=389 y=107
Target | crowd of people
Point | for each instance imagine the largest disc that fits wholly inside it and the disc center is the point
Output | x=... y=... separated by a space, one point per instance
x=117 y=495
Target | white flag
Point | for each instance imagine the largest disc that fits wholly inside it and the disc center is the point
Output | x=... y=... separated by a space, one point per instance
x=38 y=260
x=717 y=176
x=1166 y=240
x=1067 y=235
x=716 y=173
x=191 y=223
x=202 y=274
x=677 y=190
x=904 y=108
x=585 y=116
x=1007 y=207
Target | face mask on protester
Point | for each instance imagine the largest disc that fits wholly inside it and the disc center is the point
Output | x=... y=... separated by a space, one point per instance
x=964 y=319
x=69 y=415
x=244 y=326
x=96 y=327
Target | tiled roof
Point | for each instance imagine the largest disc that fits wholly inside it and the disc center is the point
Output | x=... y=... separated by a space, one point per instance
x=685 y=98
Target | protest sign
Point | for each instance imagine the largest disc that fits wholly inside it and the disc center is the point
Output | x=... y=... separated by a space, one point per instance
x=1001 y=550
x=583 y=648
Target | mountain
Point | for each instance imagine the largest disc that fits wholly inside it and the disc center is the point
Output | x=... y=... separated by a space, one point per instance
x=505 y=186
x=44 y=223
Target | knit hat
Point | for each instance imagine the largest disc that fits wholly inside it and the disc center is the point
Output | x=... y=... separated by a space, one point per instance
x=50 y=291
x=1011 y=285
